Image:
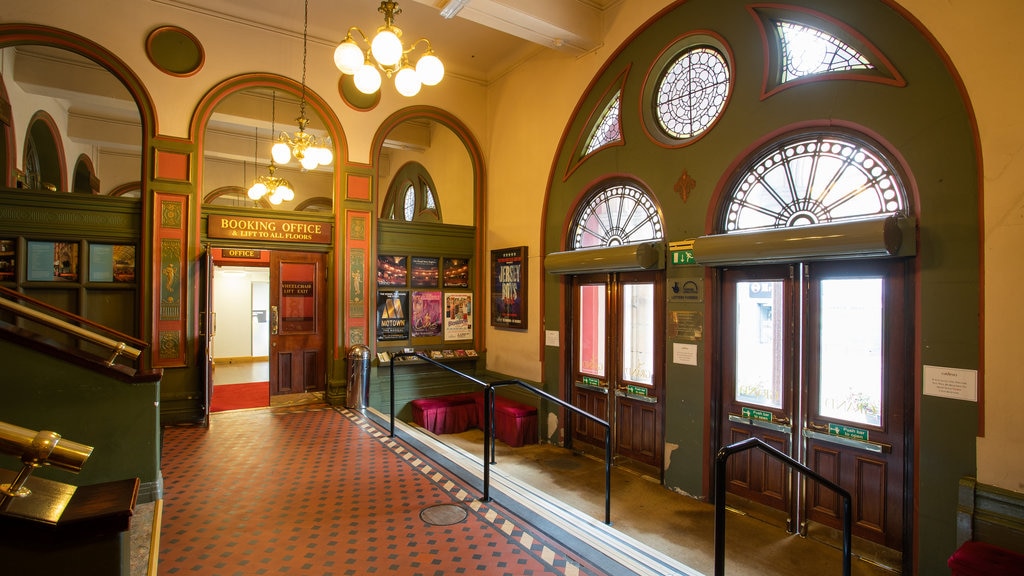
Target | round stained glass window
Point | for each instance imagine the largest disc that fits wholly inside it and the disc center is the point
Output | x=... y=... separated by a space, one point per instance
x=692 y=92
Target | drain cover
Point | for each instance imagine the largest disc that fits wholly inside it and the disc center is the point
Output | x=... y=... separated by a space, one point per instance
x=443 y=514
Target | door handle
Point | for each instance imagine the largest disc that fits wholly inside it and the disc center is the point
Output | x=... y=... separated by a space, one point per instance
x=273 y=320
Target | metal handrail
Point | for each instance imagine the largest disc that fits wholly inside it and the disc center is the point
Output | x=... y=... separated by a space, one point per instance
x=489 y=423
x=117 y=347
x=754 y=442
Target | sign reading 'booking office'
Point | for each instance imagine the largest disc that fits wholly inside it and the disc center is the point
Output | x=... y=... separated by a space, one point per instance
x=243 y=228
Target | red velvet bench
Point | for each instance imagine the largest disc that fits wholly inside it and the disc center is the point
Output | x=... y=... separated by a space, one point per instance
x=515 y=424
x=981 y=559
x=445 y=414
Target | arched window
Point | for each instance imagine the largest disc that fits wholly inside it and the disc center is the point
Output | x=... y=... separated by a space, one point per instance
x=615 y=214
x=411 y=196
x=813 y=178
x=44 y=155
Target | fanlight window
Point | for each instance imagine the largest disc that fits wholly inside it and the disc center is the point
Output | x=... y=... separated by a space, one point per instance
x=814 y=179
x=692 y=92
x=616 y=215
x=609 y=128
x=807 y=51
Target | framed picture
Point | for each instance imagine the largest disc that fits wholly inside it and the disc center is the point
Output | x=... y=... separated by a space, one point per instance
x=424 y=272
x=456 y=273
x=52 y=261
x=508 y=287
x=426 y=314
x=458 y=316
x=392 y=270
x=392 y=315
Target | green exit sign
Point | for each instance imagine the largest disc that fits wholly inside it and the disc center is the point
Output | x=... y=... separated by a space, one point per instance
x=756 y=414
x=683 y=257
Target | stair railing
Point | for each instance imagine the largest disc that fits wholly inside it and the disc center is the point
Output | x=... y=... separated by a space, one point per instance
x=489 y=423
x=116 y=343
x=754 y=442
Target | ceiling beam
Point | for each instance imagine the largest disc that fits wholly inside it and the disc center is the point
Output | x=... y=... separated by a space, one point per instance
x=561 y=24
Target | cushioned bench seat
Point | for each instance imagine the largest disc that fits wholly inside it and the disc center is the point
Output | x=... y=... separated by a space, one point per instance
x=445 y=414
x=515 y=424
x=982 y=559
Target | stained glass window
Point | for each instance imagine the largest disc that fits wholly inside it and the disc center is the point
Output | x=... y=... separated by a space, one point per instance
x=692 y=92
x=814 y=179
x=807 y=50
x=608 y=128
x=615 y=215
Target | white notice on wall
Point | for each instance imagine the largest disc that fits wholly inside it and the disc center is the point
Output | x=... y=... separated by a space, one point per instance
x=551 y=338
x=955 y=383
x=684 y=354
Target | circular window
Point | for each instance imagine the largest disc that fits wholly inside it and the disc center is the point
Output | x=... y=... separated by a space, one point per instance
x=691 y=85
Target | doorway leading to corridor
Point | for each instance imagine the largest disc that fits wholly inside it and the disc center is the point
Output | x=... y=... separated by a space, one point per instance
x=266 y=335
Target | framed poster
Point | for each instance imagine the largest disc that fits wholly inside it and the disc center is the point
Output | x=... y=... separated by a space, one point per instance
x=456 y=273
x=458 y=316
x=426 y=314
x=392 y=270
x=508 y=287
x=424 y=272
x=392 y=318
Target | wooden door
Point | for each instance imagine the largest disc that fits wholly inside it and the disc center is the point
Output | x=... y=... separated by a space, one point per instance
x=814 y=362
x=298 y=283
x=618 y=362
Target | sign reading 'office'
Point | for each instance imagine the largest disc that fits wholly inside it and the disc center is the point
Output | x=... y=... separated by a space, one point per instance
x=242 y=228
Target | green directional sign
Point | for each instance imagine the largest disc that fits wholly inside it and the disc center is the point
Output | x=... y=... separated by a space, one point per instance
x=636 y=390
x=847 y=432
x=757 y=414
x=683 y=257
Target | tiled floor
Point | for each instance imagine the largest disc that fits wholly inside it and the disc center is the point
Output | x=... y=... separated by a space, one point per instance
x=307 y=489
x=311 y=490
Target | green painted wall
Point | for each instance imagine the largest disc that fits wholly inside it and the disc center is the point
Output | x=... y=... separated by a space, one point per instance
x=925 y=123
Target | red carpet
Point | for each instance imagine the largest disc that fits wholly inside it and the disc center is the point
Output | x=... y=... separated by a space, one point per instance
x=238 y=396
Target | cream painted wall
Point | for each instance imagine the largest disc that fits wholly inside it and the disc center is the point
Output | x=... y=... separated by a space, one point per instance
x=233 y=48
x=984 y=46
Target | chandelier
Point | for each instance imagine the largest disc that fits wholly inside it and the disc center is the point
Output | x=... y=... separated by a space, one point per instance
x=274 y=188
x=309 y=150
x=387 y=54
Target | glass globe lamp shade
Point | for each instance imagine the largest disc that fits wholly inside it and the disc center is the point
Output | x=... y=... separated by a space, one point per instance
x=309 y=160
x=280 y=153
x=286 y=193
x=257 y=191
x=406 y=82
x=348 y=57
x=275 y=198
x=367 y=79
x=430 y=69
x=325 y=156
x=386 y=47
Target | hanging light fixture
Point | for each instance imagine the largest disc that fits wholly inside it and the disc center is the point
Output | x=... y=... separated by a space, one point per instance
x=309 y=150
x=274 y=188
x=387 y=54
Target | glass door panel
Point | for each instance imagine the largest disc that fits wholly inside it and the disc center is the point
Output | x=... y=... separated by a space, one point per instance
x=638 y=334
x=850 y=332
x=759 y=344
x=592 y=319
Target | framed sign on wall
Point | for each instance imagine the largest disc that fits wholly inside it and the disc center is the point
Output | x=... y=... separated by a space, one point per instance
x=508 y=287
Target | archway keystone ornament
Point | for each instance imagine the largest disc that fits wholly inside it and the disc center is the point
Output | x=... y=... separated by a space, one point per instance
x=685 y=185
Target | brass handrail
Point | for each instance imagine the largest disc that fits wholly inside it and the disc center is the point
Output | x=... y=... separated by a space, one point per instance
x=117 y=348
